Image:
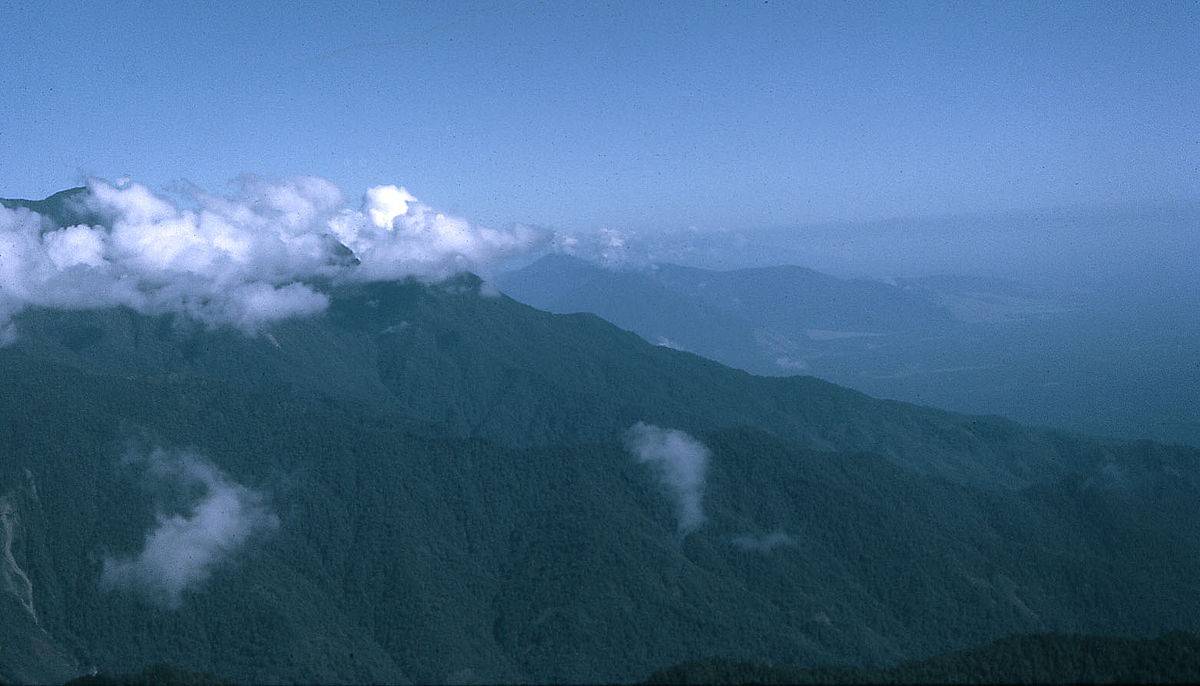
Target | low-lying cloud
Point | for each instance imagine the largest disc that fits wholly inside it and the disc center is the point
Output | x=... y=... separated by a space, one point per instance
x=680 y=463
x=183 y=549
x=245 y=259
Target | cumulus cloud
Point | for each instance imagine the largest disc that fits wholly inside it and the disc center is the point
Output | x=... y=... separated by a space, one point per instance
x=182 y=549
x=397 y=236
x=680 y=462
x=763 y=543
x=246 y=259
x=633 y=249
x=609 y=247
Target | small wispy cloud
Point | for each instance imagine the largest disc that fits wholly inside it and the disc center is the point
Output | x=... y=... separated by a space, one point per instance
x=183 y=549
x=680 y=463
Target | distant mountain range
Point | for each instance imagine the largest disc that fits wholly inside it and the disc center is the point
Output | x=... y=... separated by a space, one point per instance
x=1077 y=360
x=434 y=483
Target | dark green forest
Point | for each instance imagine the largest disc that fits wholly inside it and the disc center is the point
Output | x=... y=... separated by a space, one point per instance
x=1034 y=659
x=154 y=675
x=1029 y=659
x=454 y=502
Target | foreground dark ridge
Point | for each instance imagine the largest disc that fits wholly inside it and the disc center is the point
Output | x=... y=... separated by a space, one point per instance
x=1038 y=658
x=1032 y=659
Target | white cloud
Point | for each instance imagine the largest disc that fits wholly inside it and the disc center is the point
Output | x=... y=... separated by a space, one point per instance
x=609 y=247
x=182 y=549
x=244 y=260
x=397 y=236
x=664 y=342
x=385 y=203
x=76 y=245
x=680 y=463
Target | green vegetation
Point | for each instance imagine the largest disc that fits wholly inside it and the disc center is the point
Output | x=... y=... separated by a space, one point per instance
x=155 y=675
x=456 y=505
x=1033 y=659
x=1027 y=659
x=455 y=502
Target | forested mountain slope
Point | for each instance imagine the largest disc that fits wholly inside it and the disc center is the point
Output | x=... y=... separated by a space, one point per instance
x=431 y=483
x=1031 y=659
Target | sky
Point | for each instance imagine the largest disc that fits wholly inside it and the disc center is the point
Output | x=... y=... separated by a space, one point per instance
x=636 y=115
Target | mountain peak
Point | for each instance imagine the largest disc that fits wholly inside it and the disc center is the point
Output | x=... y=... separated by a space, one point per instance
x=64 y=208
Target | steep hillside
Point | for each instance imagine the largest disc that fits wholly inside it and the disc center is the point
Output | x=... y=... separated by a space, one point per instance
x=490 y=368
x=429 y=483
x=28 y=653
x=1033 y=659
x=455 y=502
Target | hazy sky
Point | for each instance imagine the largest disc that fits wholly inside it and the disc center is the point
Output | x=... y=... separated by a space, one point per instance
x=636 y=114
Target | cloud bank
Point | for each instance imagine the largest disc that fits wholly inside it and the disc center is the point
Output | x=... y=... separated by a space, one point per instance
x=680 y=462
x=246 y=259
x=182 y=550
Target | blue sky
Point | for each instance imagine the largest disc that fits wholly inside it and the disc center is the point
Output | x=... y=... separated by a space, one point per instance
x=638 y=115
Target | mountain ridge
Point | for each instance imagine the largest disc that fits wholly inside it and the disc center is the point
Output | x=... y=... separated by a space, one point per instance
x=1036 y=354
x=455 y=500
